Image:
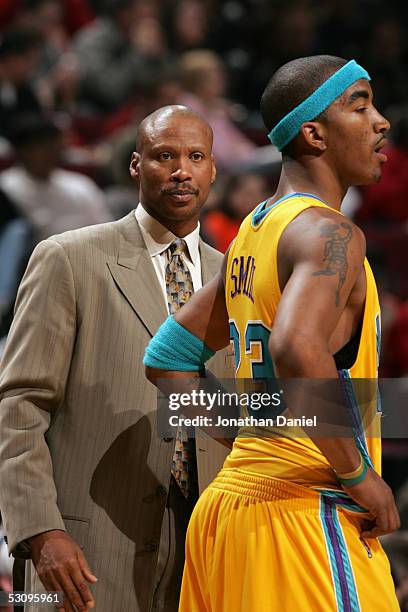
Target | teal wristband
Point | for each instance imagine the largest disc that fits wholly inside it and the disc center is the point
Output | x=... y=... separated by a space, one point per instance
x=349 y=482
x=175 y=348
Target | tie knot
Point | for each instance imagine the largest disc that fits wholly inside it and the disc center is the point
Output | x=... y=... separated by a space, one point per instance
x=177 y=247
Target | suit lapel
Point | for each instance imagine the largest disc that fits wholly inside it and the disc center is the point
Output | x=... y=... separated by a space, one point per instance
x=136 y=278
x=210 y=262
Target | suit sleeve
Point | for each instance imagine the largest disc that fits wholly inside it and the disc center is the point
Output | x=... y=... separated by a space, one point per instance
x=34 y=370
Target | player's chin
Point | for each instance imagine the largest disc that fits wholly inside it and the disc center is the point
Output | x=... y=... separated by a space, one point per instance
x=377 y=174
x=378 y=166
x=374 y=176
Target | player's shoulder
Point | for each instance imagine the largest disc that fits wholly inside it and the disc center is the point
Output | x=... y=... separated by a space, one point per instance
x=316 y=223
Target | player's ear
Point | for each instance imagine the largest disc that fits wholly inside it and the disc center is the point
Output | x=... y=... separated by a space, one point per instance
x=314 y=135
x=134 y=166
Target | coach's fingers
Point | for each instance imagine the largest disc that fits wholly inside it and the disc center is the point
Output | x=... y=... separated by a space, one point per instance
x=57 y=585
x=86 y=570
x=66 y=605
x=78 y=579
x=51 y=584
x=72 y=595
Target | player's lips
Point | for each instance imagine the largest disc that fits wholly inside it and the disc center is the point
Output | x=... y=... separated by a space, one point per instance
x=377 y=149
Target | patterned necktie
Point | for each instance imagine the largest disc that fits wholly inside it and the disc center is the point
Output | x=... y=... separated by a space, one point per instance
x=179 y=288
x=179 y=284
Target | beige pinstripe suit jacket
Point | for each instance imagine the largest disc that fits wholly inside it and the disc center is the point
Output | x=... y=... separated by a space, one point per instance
x=78 y=447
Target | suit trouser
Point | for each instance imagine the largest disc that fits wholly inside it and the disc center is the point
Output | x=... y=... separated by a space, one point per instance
x=18 y=579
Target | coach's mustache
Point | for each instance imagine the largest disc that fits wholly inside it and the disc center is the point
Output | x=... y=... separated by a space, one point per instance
x=186 y=188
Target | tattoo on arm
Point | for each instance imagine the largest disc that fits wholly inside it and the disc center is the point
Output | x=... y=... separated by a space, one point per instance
x=335 y=253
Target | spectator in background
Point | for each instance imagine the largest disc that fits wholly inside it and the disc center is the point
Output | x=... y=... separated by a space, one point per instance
x=20 y=51
x=162 y=89
x=46 y=16
x=8 y=211
x=241 y=193
x=149 y=38
x=115 y=55
x=77 y=14
x=15 y=248
x=57 y=75
x=341 y=28
x=8 y=11
x=295 y=33
x=386 y=52
x=394 y=360
x=188 y=24
x=205 y=81
x=52 y=199
x=124 y=194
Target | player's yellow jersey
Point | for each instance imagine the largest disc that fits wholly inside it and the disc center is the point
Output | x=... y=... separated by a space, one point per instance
x=252 y=297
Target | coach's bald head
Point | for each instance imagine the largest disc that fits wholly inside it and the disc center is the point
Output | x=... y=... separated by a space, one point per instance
x=161 y=118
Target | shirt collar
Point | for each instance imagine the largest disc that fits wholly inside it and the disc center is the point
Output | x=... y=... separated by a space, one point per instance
x=158 y=238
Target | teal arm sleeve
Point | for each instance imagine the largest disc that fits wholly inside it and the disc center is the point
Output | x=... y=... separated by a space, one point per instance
x=175 y=348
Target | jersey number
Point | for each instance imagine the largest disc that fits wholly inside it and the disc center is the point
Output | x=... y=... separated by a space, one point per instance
x=256 y=335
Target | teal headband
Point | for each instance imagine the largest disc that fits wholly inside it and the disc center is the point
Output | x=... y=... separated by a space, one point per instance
x=316 y=103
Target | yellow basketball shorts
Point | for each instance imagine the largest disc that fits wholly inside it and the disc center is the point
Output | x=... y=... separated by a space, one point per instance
x=258 y=544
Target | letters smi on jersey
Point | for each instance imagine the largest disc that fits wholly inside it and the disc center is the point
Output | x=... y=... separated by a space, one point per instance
x=242 y=275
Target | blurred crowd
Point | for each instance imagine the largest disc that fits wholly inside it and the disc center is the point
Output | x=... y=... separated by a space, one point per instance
x=77 y=76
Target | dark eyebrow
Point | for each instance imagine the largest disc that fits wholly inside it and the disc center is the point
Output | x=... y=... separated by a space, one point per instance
x=360 y=93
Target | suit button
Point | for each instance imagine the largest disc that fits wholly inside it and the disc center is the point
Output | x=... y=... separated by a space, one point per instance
x=161 y=491
x=167 y=439
x=151 y=546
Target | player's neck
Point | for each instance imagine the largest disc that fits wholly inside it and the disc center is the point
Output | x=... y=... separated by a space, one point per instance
x=310 y=178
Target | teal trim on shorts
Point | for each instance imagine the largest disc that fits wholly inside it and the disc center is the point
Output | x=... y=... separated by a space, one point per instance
x=341 y=498
x=344 y=584
x=355 y=417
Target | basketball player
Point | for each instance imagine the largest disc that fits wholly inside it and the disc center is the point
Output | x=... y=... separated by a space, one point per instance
x=292 y=524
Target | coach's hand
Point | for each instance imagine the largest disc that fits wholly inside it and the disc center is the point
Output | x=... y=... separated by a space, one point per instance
x=376 y=496
x=61 y=566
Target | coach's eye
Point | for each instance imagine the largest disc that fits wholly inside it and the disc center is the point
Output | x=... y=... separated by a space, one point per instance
x=197 y=156
x=361 y=109
x=165 y=156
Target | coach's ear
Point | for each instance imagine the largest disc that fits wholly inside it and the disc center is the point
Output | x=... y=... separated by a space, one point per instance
x=314 y=136
x=134 y=166
x=213 y=170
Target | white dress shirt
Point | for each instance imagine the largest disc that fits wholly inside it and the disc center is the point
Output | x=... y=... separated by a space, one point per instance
x=158 y=239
